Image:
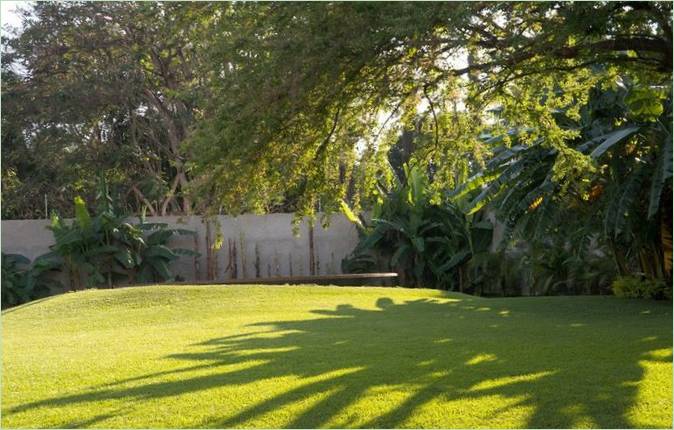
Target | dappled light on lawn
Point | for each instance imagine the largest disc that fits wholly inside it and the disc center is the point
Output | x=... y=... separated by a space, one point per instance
x=303 y=357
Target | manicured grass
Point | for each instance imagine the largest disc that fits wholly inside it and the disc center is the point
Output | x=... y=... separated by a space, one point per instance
x=312 y=356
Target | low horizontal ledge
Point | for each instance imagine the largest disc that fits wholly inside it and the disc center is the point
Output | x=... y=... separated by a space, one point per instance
x=295 y=279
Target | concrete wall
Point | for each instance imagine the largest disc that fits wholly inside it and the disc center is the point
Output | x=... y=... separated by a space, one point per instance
x=252 y=245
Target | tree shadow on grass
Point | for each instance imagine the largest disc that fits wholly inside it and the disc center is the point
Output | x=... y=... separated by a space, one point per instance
x=564 y=372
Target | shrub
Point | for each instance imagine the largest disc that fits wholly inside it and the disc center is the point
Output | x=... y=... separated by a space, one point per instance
x=105 y=249
x=14 y=269
x=634 y=287
x=427 y=242
x=23 y=281
x=153 y=257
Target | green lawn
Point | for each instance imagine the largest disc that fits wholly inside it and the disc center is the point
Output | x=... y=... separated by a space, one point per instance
x=334 y=357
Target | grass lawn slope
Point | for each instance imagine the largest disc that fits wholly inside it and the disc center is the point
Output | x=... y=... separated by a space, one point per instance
x=309 y=356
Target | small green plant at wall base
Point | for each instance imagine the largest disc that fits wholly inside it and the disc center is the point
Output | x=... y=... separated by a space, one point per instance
x=154 y=257
x=23 y=281
x=632 y=287
x=14 y=269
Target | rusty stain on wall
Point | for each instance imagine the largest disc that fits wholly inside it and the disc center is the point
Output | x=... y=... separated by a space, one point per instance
x=196 y=260
x=312 y=259
x=232 y=265
x=272 y=234
x=277 y=265
x=242 y=248
x=257 y=261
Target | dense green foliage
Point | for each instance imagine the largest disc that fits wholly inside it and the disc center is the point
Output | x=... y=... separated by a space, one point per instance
x=623 y=199
x=618 y=209
x=13 y=279
x=427 y=242
x=23 y=281
x=554 y=117
x=294 y=106
x=570 y=234
x=106 y=249
x=306 y=88
x=632 y=287
x=91 y=87
x=324 y=357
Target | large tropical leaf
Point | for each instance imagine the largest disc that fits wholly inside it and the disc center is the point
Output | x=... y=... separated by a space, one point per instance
x=401 y=252
x=160 y=251
x=457 y=259
x=477 y=181
x=663 y=172
x=395 y=225
x=185 y=252
x=81 y=213
x=159 y=237
x=419 y=244
x=610 y=139
x=47 y=262
x=417 y=182
x=161 y=269
x=102 y=249
x=623 y=213
x=152 y=225
x=372 y=239
x=14 y=259
x=504 y=155
x=481 y=236
x=126 y=258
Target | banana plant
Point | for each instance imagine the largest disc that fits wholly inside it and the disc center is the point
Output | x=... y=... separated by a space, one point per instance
x=106 y=249
x=152 y=261
x=14 y=283
x=87 y=247
x=23 y=281
x=427 y=243
x=628 y=192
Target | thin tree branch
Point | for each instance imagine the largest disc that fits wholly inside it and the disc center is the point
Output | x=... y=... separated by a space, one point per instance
x=144 y=199
x=435 y=118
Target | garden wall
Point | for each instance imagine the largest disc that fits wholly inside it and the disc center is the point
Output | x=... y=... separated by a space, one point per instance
x=252 y=245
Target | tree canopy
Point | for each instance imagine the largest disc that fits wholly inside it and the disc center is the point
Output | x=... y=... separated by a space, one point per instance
x=555 y=117
x=105 y=87
x=231 y=107
x=309 y=92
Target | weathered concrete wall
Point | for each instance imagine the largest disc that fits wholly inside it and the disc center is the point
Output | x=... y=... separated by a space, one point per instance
x=252 y=245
